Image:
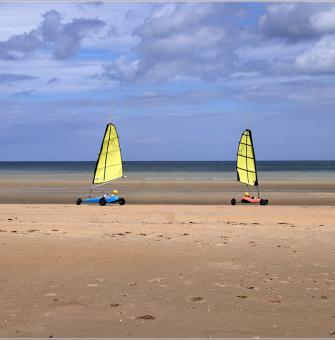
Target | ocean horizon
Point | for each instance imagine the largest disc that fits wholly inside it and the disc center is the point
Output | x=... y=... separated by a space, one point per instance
x=171 y=170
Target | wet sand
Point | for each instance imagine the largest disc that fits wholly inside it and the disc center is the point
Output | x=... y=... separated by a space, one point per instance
x=167 y=271
x=167 y=192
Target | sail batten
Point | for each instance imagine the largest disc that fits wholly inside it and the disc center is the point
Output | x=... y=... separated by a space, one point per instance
x=246 y=162
x=109 y=164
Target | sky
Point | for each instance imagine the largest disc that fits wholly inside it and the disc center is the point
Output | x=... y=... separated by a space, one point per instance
x=177 y=79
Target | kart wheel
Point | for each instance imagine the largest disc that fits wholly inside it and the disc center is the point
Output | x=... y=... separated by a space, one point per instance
x=122 y=201
x=263 y=202
x=233 y=201
x=266 y=202
x=79 y=201
x=102 y=201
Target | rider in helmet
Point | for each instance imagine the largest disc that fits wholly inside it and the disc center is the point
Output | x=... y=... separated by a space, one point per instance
x=114 y=193
x=246 y=194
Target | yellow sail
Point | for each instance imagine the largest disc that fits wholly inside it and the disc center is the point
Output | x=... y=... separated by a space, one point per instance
x=246 y=162
x=109 y=163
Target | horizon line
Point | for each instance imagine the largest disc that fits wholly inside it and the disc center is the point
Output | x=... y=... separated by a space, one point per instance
x=228 y=160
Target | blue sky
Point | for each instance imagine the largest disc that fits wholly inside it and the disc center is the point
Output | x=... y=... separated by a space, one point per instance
x=177 y=79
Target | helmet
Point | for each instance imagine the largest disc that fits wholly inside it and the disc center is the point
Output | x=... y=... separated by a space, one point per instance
x=115 y=192
x=246 y=194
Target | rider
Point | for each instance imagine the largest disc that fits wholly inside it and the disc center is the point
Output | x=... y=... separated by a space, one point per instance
x=247 y=195
x=114 y=193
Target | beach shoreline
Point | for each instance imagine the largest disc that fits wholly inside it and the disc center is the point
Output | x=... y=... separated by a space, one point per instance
x=209 y=192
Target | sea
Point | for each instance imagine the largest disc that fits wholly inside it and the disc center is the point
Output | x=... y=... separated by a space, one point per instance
x=171 y=170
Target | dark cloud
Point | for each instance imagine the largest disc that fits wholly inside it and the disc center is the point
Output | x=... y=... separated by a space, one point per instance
x=23 y=93
x=297 y=21
x=51 y=26
x=19 y=46
x=64 y=38
x=53 y=80
x=96 y=3
x=6 y=78
x=90 y=4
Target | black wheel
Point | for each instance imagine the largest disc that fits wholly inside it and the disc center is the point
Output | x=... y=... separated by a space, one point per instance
x=122 y=201
x=102 y=201
x=263 y=202
x=233 y=201
x=266 y=202
x=79 y=201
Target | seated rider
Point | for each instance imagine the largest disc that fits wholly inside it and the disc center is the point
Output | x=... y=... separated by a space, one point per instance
x=246 y=194
x=114 y=193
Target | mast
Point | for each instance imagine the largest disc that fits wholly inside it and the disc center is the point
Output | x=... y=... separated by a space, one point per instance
x=255 y=163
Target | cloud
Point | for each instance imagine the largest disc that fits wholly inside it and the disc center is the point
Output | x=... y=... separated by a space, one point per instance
x=64 y=38
x=121 y=70
x=297 y=21
x=180 y=40
x=319 y=59
x=6 y=78
x=23 y=93
x=53 y=80
x=324 y=21
x=21 y=45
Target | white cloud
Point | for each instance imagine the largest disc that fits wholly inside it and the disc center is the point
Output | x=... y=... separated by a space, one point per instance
x=320 y=58
x=324 y=21
x=181 y=40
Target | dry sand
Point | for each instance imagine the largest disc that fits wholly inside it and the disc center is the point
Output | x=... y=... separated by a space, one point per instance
x=167 y=271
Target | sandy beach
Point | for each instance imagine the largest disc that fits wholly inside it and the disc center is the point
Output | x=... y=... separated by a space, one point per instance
x=167 y=271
